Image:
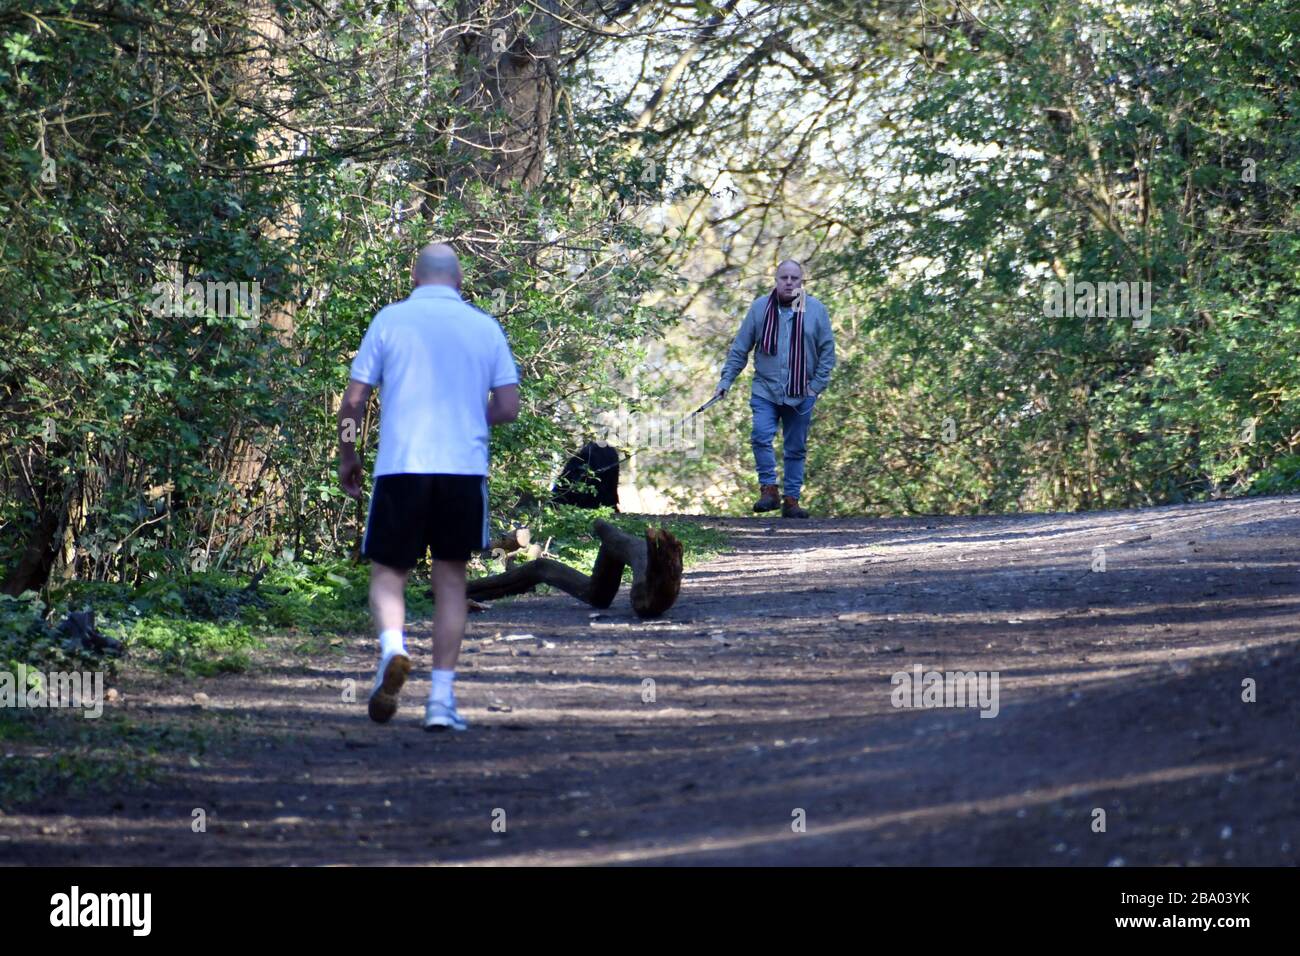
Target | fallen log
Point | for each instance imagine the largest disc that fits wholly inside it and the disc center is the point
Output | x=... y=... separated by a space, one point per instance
x=655 y=560
x=510 y=542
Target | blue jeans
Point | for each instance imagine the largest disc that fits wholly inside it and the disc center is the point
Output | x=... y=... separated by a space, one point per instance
x=795 y=421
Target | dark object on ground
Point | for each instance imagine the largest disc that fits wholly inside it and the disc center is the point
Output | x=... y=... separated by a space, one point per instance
x=78 y=630
x=656 y=563
x=590 y=478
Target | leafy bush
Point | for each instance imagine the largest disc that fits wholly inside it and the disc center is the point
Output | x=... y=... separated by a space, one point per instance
x=27 y=637
x=1280 y=477
x=200 y=648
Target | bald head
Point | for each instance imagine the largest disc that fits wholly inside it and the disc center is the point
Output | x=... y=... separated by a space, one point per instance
x=789 y=281
x=436 y=264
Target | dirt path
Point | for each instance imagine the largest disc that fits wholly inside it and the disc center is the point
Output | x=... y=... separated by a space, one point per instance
x=1119 y=690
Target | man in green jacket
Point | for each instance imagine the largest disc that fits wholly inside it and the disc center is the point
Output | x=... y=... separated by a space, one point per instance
x=792 y=366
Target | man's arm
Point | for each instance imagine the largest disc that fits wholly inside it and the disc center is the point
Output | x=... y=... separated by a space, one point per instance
x=350 y=414
x=738 y=357
x=825 y=354
x=503 y=404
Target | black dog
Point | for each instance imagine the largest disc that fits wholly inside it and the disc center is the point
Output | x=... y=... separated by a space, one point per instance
x=590 y=478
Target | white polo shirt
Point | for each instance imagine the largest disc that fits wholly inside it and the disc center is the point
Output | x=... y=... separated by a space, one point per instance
x=434 y=358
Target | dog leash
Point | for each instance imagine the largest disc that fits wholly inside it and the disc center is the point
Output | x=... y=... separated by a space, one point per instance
x=632 y=454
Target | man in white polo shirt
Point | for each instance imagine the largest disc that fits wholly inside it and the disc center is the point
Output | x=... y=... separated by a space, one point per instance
x=435 y=360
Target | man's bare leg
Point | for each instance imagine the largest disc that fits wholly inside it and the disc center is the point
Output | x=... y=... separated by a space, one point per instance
x=448 y=580
x=387 y=597
x=388 y=608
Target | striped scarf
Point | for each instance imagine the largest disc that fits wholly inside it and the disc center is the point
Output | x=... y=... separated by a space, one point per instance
x=798 y=382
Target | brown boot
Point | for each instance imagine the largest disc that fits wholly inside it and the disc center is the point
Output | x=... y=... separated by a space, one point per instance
x=790 y=508
x=770 y=499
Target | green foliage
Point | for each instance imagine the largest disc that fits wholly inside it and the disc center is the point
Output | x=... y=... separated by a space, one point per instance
x=197 y=648
x=329 y=598
x=1279 y=477
x=165 y=442
x=205 y=624
x=28 y=637
x=1039 y=143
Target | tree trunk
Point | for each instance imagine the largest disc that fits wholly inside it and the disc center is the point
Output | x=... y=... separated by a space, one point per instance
x=38 y=557
x=505 y=61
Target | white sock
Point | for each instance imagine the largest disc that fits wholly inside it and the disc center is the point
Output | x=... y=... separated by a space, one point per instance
x=390 y=641
x=442 y=692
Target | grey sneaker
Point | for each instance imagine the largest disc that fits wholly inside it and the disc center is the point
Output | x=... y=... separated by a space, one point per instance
x=443 y=717
x=389 y=679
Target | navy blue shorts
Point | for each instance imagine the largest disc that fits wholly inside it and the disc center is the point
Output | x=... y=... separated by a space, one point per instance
x=445 y=514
